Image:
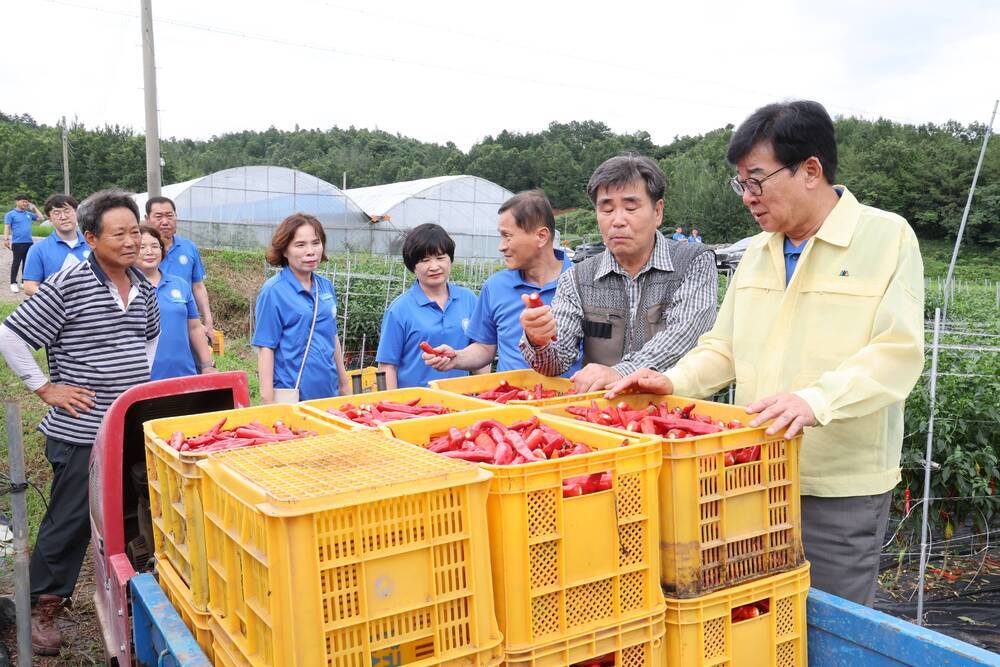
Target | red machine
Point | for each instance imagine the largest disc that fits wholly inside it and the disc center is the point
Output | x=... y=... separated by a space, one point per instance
x=119 y=502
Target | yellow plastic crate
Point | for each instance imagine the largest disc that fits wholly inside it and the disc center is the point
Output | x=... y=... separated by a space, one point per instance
x=346 y=550
x=525 y=378
x=721 y=526
x=453 y=402
x=700 y=631
x=368 y=379
x=566 y=566
x=218 y=343
x=634 y=644
x=174 y=486
x=227 y=654
x=180 y=597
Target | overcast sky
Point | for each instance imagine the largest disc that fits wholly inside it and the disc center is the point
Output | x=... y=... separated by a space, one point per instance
x=458 y=71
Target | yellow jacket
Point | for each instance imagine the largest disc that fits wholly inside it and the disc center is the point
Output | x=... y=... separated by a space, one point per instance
x=846 y=334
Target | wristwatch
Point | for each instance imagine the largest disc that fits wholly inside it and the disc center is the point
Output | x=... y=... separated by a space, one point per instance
x=206 y=364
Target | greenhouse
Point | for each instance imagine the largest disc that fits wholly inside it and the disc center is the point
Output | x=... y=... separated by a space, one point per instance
x=241 y=207
x=466 y=206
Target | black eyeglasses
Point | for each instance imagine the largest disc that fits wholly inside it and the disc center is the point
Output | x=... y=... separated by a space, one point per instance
x=754 y=186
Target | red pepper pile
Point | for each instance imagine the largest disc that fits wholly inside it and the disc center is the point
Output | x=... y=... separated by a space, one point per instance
x=527 y=441
x=386 y=411
x=506 y=391
x=255 y=433
x=607 y=660
x=660 y=420
x=748 y=611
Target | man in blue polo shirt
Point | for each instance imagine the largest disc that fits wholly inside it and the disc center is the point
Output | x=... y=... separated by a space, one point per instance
x=527 y=230
x=182 y=258
x=17 y=234
x=63 y=248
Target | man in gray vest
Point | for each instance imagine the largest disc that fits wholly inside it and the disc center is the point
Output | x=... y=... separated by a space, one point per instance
x=642 y=303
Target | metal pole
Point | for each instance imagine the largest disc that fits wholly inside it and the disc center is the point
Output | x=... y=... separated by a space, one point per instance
x=65 y=147
x=344 y=182
x=149 y=87
x=927 y=467
x=22 y=587
x=968 y=205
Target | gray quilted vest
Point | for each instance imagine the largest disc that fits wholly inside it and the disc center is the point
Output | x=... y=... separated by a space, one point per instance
x=608 y=330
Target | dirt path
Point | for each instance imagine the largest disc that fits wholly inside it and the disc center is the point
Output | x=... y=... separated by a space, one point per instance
x=5 y=259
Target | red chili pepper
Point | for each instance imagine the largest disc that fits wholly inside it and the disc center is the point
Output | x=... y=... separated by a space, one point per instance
x=906 y=501
x=176 y=440
x=426 y=347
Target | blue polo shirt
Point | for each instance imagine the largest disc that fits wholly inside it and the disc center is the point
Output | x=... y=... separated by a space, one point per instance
x=284 y=313
x=792 y=254
x=413 y=317
x=496 y=320
x=184 y=261
x=53 y=254
x=20 y=225
x=174 y=357
x=678 y=236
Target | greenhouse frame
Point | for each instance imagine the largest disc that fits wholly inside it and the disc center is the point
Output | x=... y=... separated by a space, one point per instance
x=241 y=207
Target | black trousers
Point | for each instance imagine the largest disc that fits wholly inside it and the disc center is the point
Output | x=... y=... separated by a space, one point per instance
x=20 y=251
x=64 y=534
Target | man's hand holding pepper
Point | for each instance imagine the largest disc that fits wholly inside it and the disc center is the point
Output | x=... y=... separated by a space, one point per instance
x=642 y=381
x=538 y=323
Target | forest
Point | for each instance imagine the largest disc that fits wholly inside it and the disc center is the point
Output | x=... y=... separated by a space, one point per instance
x=922 y=172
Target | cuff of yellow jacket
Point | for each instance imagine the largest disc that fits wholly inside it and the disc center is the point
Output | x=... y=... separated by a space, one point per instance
x=683 y=386
x=817 y=403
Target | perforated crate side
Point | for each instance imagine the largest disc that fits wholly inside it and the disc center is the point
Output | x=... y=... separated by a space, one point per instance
x=700 y=631
x=404 y=574
x=636 y=643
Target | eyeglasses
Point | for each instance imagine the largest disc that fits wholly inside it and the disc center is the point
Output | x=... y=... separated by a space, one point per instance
x=754 y=186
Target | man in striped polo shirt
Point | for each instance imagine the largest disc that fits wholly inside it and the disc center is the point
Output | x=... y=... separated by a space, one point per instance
x=100 y=322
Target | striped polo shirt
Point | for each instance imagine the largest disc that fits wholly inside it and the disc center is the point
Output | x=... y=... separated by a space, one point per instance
x=91 y=339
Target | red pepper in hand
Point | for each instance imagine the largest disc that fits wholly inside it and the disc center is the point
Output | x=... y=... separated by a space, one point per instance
x=535 y=301
x=426 y=347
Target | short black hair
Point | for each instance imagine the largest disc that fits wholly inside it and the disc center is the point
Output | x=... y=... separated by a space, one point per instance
x=619 y=171
x=22 y=198
x=426 y=240
x=93 y=208
x=531 y=209
x=58 y=201
x=159 y=200
x=796 y=131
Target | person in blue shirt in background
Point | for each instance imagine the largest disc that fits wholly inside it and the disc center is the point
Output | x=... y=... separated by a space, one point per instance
x=695 y=236
x=284 y=314
x=182 y=258
x=62 y=248
x=679 y=234
x=527 y=232
x=181 y=350
x=17 y=234
x=431 y=310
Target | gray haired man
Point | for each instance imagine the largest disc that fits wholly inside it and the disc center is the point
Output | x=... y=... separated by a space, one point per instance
x=642 y=303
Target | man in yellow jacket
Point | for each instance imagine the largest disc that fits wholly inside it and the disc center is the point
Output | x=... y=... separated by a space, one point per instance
x=822 y=330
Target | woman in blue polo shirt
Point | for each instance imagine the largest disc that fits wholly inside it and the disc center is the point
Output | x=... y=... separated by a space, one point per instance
x=431 y=310
x=295 y=309
x=181 y=349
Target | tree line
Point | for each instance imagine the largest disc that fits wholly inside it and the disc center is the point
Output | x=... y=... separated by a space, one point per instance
x=922 y=172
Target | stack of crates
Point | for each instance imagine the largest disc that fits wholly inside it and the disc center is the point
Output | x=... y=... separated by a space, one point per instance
x=348 y=549
x=575 y=578
x=175 y=504
x=730 y=536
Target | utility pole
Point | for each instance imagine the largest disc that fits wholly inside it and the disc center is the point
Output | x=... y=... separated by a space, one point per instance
x=149 y=86
x=65 y=142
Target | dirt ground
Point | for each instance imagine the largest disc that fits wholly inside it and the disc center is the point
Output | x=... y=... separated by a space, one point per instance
x=5 y=259
x=81 y=634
